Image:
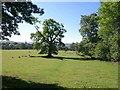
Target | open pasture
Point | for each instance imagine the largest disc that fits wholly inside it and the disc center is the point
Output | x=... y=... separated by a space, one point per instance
x=26 y=68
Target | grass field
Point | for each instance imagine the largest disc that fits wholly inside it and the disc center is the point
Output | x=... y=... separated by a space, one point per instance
x=26 y=68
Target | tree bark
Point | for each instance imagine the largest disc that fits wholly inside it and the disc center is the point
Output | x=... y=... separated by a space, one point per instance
x=50 y=51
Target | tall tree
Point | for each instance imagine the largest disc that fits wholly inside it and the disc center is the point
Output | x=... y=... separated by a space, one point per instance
x=89 y=27
x=50 y=38
x=14 y=13
x=109 y=22
x=88 y=30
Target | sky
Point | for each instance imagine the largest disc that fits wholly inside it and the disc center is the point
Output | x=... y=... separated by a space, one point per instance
x=67 y=13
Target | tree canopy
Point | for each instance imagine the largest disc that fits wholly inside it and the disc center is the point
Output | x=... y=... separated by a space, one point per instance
x=17 y=12
x=101 y=33
x=50 y=38
x=109 y=22
x=89 y=27
x=88 y=30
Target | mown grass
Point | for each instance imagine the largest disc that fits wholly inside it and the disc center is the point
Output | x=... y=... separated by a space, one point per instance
x=67 y=69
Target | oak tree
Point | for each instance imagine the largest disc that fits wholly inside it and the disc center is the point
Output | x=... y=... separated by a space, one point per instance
x=48 y=40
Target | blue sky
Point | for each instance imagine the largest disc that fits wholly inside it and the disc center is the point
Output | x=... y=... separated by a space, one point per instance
x=68 y=13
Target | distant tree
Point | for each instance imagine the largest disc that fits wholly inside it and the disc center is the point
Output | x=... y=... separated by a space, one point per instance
x=15 y=45
x=50 y=38
x=65 y=48
x=77 y=46
x=72 y=47
x=22 y=46
x=14 y=13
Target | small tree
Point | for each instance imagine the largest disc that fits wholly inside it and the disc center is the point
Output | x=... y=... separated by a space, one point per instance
x=72 y=47
x=50 y=38
x=65 y=48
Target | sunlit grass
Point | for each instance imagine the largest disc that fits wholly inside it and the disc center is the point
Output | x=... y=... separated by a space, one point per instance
x=67 y=72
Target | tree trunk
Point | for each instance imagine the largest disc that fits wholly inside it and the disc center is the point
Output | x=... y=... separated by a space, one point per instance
x=50 y=51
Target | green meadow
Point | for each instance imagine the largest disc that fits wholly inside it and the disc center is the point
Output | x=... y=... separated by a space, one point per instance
x=26 y=68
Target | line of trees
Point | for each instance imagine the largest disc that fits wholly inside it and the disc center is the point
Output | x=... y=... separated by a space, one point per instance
x=15 y=45
x=101 y=33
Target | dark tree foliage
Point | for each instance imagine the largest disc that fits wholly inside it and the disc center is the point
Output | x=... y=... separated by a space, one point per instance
x=15 y=45
x=88 y=30
x=89 y=27
x=74 y=46
x=14 y=13
x=65 y=48
x=48 y=40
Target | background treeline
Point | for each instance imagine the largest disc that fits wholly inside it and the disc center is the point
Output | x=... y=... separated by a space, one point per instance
x=101 y=33
x=16 y=45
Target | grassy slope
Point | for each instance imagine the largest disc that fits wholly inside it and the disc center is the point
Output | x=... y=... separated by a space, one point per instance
x=68 y=72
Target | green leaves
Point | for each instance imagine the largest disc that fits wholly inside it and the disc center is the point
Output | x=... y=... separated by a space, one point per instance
x=101 y=32
x=89 y=27
x=17 y=12
x=50 y=38
x=109 y=31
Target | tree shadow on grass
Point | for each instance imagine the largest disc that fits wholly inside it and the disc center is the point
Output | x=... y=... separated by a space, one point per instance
x=70 y=58
x=73 y=58
x=13 y=82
